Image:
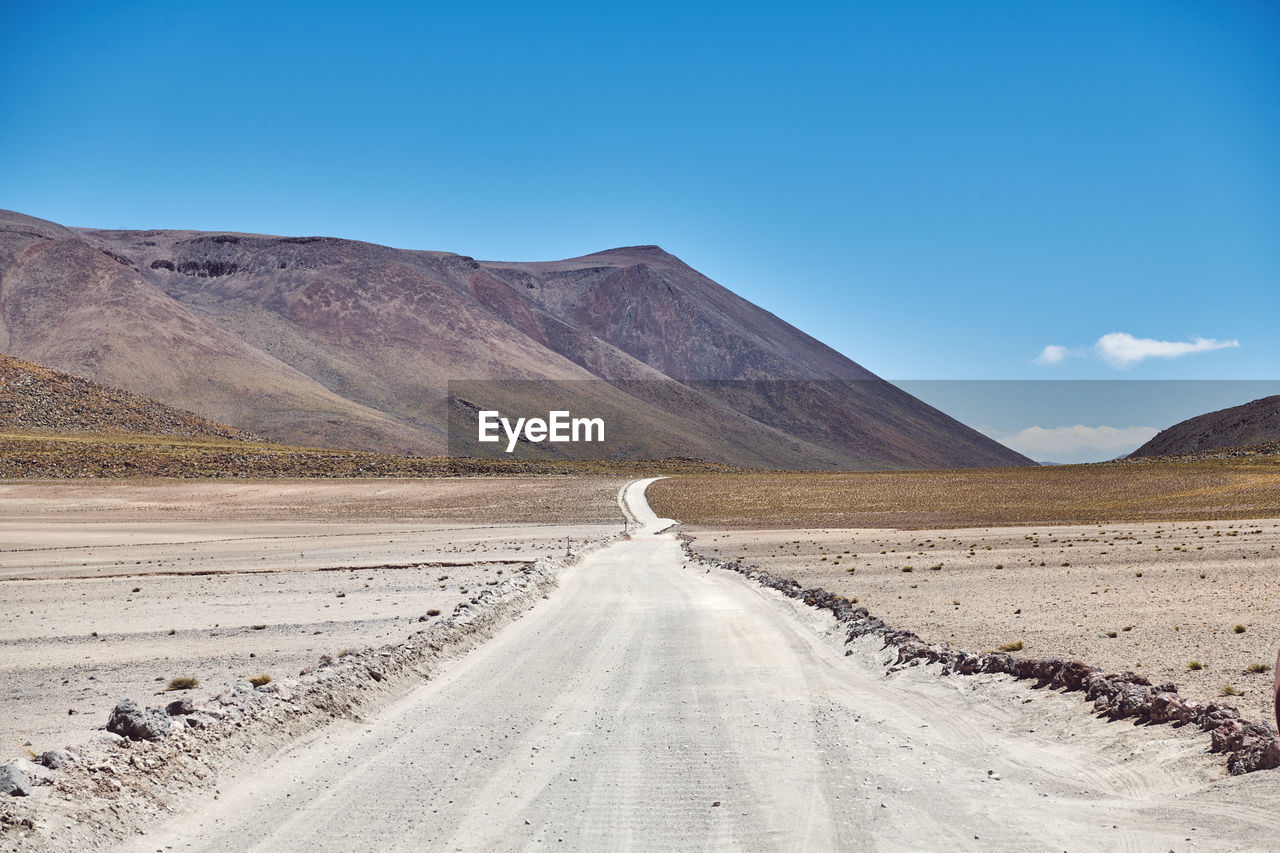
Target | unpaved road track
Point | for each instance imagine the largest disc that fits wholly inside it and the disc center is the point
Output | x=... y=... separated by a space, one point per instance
x=650 y=705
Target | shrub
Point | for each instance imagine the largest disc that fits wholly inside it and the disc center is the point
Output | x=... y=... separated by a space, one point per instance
x=260 y=680
x=1111 y=634
x=1257 y=668
x=1239 y=629
x=1194 y=665
x=1228 y=690
x=183 y=682
x=1015 y=646
x=435 y=611
x=258 y=627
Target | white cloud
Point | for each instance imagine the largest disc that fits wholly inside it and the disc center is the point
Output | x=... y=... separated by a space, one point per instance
x=1121 y=349
x=1077 y=443
x=1052 y=354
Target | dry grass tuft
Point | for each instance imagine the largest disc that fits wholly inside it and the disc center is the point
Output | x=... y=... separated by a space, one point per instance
x=183 y=682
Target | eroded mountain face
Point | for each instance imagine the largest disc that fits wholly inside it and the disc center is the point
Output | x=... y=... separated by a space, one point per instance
x=321 y=341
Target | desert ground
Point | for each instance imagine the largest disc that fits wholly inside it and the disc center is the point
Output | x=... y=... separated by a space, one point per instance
x=647 y=701
x=653 y=704
x=1141 y=597
x=113 y=589
x=1093 y=562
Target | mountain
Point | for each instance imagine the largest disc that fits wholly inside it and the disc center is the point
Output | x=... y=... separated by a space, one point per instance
x=1239 y=426
x=328 y=342
x=34 y=398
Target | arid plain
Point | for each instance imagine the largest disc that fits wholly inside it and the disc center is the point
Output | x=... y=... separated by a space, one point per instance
x=1175 y=575
x=112 y=588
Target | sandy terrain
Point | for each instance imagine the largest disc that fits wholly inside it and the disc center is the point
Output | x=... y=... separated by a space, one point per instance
x=1223 y=489
x=1171 y=593
x=476 y=499
x=111 y=589
x=649 y=704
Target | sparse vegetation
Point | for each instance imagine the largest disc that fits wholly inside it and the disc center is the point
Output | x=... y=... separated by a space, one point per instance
x=1239 y=629
x=1231 y=488
x=1015 y=646
x=258 y=627
x=26 y=453
x=183 y=682
x=1257 y=668
x=435 y=611
x=1228 y=690
x=260 y=680
x=1194 y=665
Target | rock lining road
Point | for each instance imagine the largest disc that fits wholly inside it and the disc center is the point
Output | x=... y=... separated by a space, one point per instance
x=651 y=705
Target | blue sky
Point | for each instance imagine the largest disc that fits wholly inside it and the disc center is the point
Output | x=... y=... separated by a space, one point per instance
x=939 y=190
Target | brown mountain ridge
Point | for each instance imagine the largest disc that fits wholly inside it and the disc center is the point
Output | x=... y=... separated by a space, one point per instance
x=1250 y=425
x=320 y=341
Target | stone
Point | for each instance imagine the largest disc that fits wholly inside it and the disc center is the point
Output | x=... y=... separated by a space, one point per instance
x=1073 y=675
x=199 y=720
x=128 y=720
x=180 y=707
x=54 y=759
x=1255 y=754
x=14 y=781
x=1166 y=707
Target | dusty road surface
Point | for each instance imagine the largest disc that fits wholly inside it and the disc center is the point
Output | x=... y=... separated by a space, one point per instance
x=650 y=705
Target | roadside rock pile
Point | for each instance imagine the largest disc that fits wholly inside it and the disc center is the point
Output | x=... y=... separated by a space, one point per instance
x=1248 y=746
x=134 y=771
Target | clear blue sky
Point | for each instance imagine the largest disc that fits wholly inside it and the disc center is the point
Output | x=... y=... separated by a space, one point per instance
x=937 y=189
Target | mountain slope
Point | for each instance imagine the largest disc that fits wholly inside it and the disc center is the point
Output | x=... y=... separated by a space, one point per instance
x=36 y=398
x=336 y=342
x=1239 y=426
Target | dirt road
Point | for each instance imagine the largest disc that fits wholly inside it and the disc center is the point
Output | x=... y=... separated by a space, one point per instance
x=650 y=705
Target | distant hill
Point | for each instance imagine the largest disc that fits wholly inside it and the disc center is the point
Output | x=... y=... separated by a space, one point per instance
x=34 y=398
x=1256 y=423
x=325 y=342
